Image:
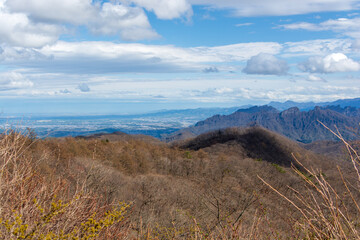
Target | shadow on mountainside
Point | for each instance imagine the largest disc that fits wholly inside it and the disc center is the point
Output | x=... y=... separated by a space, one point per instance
x=256 y=142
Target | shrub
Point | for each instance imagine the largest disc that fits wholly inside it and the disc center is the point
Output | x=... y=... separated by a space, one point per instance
x=35 y=207
x=327 y=212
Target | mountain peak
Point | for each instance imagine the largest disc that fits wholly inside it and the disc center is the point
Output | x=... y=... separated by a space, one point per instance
x=292 y=110
x=258 y=109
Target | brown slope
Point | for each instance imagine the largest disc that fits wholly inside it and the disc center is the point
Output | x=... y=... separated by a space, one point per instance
x=254 y=142
x=165 y=182
x=120 y=136
x=332 y=149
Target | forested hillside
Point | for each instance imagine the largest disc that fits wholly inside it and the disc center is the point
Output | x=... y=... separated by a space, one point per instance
x=207 y=187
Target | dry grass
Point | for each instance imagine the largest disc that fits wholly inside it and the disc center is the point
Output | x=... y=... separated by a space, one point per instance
x=326 y=211
x=49 y=189
x=35 y=207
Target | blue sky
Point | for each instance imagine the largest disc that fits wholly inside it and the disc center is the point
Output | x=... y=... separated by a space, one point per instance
x=127 y=56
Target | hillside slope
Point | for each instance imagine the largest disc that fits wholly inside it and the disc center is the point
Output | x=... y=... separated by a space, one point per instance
x=211 y=180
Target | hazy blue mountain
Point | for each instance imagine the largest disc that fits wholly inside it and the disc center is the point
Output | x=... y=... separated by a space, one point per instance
x=302 y=126
x=157 y=124
x=355 y=102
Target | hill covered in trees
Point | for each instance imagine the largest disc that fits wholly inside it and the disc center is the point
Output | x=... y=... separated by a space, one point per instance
x=206 y=187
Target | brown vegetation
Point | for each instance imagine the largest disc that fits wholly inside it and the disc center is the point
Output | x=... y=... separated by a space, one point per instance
x=328 y=212
x=205 y=188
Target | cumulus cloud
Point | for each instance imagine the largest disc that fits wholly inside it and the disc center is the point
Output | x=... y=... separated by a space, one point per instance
x=36 y=23
x=18 y=30
x=246 y=8
x=79 y=11
x=83 y=87
x=211 y=70
x=59 y=11
x=335 y=62
x=131 y=22
x=266 y=64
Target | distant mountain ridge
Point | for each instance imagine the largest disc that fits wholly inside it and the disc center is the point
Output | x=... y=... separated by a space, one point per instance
x=302 y=126
x=354 y=102
x=160 y=124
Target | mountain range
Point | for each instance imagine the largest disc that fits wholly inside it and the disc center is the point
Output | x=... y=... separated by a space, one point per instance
x=354 y=102
x=163 y=124
x=302 y=126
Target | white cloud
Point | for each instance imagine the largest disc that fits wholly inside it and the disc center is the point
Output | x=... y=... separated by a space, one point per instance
x=14 y=80
x=314 y=78
x=266 y=64
x=224 y=90
x=246 y=8
x=335 y=62
x=131 y=22
x=243 y=24
x=94 y=57
x=302 y=26
x=167 y=9
x=340 y=25
x=346 y=26
x=108 y=57
x=316 y=47
x=18 y=30
x=60 y=11
x=36 y=23
x=318 y=93
x=80 y=11
x=237 y=52
x=20 y=54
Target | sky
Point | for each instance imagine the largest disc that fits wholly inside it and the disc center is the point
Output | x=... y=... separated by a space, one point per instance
x=83 y=57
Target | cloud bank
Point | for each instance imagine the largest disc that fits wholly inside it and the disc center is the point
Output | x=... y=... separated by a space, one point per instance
x=106 y=57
